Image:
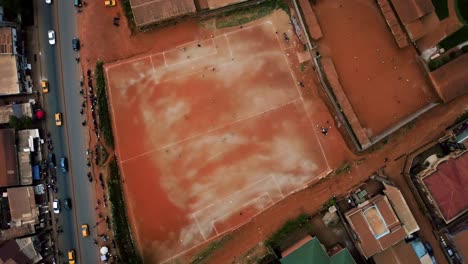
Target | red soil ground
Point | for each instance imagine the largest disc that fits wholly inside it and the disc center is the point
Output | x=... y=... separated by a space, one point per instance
x=383 y=82
x=215 y=131
x=103 y=41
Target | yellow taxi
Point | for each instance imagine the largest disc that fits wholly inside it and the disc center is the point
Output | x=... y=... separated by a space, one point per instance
x=45 y=86
x=109 y=3
x=71 y=256
x=84 y=230
x=58 y=119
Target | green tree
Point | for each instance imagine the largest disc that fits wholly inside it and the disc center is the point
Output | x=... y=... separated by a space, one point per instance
x=14 y=122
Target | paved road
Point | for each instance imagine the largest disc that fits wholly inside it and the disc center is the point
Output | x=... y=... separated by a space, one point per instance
x=59 y=67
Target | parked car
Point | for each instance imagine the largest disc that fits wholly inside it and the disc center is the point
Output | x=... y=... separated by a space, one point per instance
x=84 y=230
x=56 y=206
x=51 y=35
x=64 y=164
x=45 y=86
x=67 y=204
x=75 y=44
x=58 y=119
x=71 y=256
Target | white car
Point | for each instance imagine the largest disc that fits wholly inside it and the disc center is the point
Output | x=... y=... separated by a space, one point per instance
x=56 y=206
x=51 y=35
x=48 y=2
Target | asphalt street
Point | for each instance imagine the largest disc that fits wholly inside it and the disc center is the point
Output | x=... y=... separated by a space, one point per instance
x=70 y=140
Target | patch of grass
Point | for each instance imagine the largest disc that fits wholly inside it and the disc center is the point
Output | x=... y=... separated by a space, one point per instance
x=287 y=229
x=242 y=16
x=345 y=167
x=455 y=39
x=105 y=124
x=120 y=226
x=127 y=8
x=302 y=67
x=441 y=8
x=103 y=155
x=206 y=252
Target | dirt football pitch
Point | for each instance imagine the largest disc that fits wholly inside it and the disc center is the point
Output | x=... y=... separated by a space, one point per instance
x=208 y=135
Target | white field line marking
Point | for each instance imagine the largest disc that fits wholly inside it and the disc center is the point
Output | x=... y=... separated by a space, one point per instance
x=303 y=103
x=245 y=28
x=164 y=58
x=229 y=46
x=177 y=47
x=198 y=225
x=277 y=185
x=152 y=65
x=244 y=205
x=114 y=124
x=179 y=77
x=191 y=60
x=127 y=61
x=231 y=195
x=209 y=131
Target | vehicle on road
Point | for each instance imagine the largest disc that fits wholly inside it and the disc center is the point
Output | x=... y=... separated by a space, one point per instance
x=48 y=2
x=51 y=35
x=67 y=204
x=109 y=3
x=56 y=206
x=71 y=256
x=75 y=44
x=77 y=3
x=51 y=158
x=58 y=119
x=84 y=230
x=64 y=164
x=45 y=86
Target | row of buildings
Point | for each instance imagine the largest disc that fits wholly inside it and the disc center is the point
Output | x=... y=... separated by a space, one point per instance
x=24 y=210
x=380 y=227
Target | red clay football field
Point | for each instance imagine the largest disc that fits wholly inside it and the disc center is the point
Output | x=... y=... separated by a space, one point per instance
x=208 y=135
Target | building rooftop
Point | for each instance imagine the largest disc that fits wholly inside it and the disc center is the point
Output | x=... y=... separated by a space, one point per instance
x=411 y=10
x=448 y=186
x=213 y=4
x=376 y=225
x=9 y=83
x=401 y=208
x=310 y=250
x=154 y=11
x=402 y=252
x=6 y=40
x=8 y=164
x=10 y=253
x=450 y=80
x=23 y=207
x=461 y=243
x=17 y=110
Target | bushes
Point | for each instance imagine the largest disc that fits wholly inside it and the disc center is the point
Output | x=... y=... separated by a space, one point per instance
x=206 y=252
x=455 y=39
x=441 y=8
x=287 y=229
x=127 y=8
x=103 y=109
x=461 y=7
x=244 y=15
x=25 y=122
x=120 y=226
